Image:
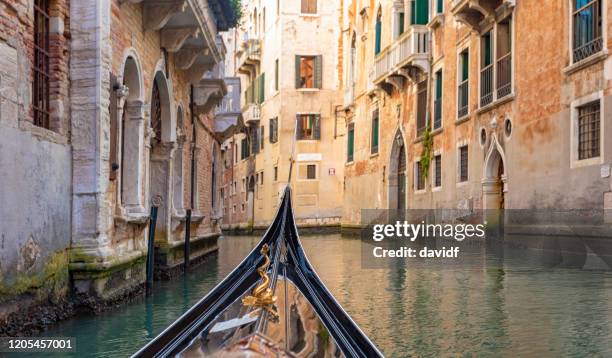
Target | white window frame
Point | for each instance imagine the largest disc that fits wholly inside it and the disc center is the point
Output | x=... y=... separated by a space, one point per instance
x=415 y=178
x=459 y=145
x=604 y=33
x=574 y=161
x=465 y=45
x=437 y=67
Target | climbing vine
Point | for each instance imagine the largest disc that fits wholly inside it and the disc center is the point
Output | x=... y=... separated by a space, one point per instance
x=237 y=8
x=427 y=152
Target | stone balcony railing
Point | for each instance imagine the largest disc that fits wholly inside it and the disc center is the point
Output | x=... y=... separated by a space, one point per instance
x=249 y=54
x=410 y=50
x=251 y=113
x=472 y=12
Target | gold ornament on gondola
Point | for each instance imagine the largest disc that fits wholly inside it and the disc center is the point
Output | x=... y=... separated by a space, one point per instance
x=261 y=296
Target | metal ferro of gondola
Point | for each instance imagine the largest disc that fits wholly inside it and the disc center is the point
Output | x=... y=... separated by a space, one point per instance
x=271 y=304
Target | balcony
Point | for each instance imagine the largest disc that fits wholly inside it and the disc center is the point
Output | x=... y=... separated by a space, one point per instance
x=403 y=58
x=251 y=113
x=249 y=55
x=473 y=12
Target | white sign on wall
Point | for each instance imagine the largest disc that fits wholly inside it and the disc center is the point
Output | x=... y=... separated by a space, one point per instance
x=309 y=157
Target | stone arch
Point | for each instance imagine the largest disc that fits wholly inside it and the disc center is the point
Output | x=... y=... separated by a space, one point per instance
x=495 y=177
x=162 y=131
x=167 y=117
x=397 y=172
x=131 y=134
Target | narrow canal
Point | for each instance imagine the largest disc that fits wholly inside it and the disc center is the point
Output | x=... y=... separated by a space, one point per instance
x=486 y=304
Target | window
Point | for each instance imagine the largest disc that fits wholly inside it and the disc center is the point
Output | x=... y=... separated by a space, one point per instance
x=308 y=127
x=244 y=146
x=419 y=11
x=261 y=177
x=308 y=70
x=309 y=6
x=419 y=176
x=276 y=75
x=350 y=143
x=42 y=75
x=437 y=123
x=311 y=171
x=399 y=18
x=463 y=163
x=504 y=58
x=437 y=180
x=587 y=29
x=374 y=139
x=439 y=6
x=236 y=153
x=273 y=131
x=275 y=173
x=463 y=90
x=261 y=137
x=486 y=72
x=378 y=33
x=421 y=115
x=254 y=140
x=589 y=130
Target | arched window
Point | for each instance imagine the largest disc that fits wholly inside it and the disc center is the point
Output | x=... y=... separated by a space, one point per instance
x=378 y=37
x=156 y=112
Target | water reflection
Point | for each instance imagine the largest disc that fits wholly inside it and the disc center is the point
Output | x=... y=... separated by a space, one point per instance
x=492 y=301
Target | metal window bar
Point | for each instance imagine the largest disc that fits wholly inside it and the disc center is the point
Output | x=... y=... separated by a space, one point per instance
x=463 y=166
x=462 y=108
x=589 y=131
x=156 y=115
x=486 y=85
x=437 y=113
x=504 y=75
x=41 y=69
x=438 y=169
x=419 y=176
x=587 y=29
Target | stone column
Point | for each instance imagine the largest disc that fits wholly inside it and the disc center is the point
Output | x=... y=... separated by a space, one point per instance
x=134 y=157
x=90 y=66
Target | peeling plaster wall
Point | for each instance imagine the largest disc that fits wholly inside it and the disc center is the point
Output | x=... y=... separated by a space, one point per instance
x=35 y=210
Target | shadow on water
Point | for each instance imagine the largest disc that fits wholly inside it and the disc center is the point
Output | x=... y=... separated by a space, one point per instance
x=494 y=300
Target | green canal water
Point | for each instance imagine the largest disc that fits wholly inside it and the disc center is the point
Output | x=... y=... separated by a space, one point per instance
x=491 y=302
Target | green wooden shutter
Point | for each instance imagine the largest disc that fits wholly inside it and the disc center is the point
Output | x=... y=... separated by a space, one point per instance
x=298 y=77
x=440 y=7
x=318 y=81
x=439 y=84
x=413 y=16
x=316 y=126
x=377 y=43
x=350 y=143
x=261 y=88
x=401 y=23
x=465 y=65
x=422 y=12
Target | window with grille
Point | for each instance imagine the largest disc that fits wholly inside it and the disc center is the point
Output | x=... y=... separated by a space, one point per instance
x=587 y=29
x=419 y=176
x=156 y=114
x=308 y=127
x=311 y=171
x=463 y=90
x=41 y=73
x=308 y=70
x=375 y=130
x=437 y=171
x=463 y=163
x=309 y=6
x=589 y=130
x=437 y=123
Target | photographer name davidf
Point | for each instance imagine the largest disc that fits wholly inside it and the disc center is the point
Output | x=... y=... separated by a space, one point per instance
x=409 y=252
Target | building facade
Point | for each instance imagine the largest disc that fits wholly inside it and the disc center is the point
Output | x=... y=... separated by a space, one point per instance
x=287 y=57
x=486 y=104
x=108 y=109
